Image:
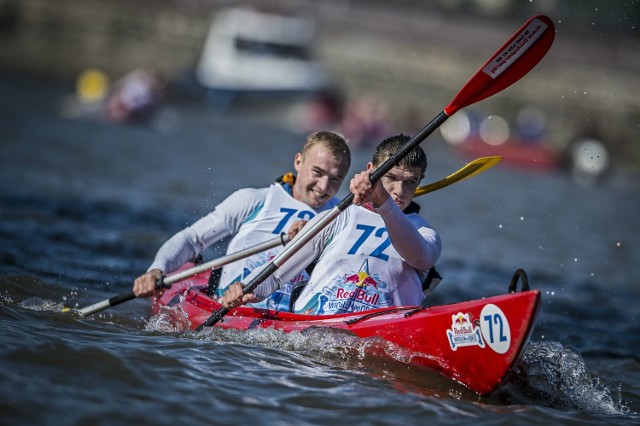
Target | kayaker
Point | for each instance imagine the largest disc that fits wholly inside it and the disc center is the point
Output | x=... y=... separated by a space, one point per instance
x=375 y=254
x=253 y=216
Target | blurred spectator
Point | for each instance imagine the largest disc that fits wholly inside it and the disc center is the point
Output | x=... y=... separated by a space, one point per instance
x=136 y=96
x=365 y=121
x=323 y=111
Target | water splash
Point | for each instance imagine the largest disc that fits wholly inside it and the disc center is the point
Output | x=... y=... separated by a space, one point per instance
x=32 y=293
x=42 y=305
x=558 y=375
x=324 y=345
x=169 y=319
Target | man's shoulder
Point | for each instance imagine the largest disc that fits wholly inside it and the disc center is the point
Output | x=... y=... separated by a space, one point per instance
x=252 y=192
x=245 y=197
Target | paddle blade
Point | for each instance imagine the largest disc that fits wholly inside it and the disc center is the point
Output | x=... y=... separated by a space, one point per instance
x=509 y=64
x=473 y=168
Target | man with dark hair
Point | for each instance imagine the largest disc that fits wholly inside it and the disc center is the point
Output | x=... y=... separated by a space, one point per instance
x=375 y=254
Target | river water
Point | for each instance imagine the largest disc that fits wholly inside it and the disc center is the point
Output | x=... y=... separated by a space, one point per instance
x=85 y=205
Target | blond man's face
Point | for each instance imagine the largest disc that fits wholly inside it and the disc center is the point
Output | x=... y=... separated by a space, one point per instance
x=319 y=176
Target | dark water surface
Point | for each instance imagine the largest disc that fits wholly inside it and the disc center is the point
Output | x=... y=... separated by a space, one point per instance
x=85 y=205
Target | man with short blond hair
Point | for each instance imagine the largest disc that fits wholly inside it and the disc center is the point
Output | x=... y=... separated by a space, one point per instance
x=255 y=215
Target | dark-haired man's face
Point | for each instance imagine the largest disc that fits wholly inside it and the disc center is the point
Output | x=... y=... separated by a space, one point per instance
x=401 y=184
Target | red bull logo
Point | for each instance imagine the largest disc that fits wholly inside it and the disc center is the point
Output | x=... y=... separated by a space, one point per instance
x=463 y=332
x=362 y=279
x=358 y=294
x=460 y=319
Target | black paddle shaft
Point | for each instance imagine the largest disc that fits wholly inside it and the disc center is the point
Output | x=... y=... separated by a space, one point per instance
x=392 y=161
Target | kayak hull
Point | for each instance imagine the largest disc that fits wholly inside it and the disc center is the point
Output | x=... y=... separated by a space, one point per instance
x=475 y=342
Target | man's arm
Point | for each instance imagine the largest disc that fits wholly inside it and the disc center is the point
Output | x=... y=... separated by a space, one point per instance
x=421 y=247
x=223 y=221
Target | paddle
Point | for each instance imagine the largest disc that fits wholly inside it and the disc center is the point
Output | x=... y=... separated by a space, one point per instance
x=473 y=168
x=519 y=55
x=167 y=281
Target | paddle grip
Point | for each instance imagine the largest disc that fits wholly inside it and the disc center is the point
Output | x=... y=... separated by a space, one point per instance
x=214 y=318
x=121 y=298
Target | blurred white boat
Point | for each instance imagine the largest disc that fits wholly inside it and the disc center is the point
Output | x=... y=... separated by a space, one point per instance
x=248 y=50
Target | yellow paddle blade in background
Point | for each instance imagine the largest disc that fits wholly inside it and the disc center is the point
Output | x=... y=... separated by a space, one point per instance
x=470 y=169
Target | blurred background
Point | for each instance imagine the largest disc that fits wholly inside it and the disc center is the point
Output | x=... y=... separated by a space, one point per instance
x=365 y=68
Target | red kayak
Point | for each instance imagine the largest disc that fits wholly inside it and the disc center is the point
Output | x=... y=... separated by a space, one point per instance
x=475 y=343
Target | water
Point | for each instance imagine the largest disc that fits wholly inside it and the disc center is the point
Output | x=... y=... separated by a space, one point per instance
x=85 y=205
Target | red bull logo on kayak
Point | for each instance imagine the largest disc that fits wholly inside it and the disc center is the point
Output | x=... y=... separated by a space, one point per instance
x=463 y=332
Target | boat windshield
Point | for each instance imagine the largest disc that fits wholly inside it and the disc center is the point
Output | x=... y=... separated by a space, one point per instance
x=272 y=49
